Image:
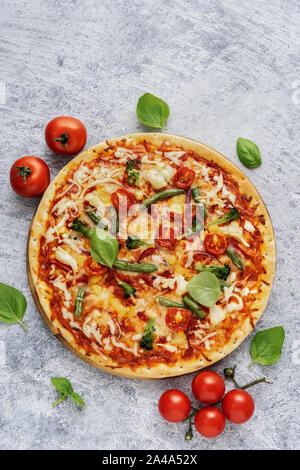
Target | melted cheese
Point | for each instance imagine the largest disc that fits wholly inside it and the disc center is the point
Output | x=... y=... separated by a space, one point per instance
x=123 y=154
x=225 y=194
x=181 y=284
x=174 y=156
x=164 y=283
x=233 y=230
x=248 y=226
x=65 y=258
x=158 y=177
x=216 y=314
x=81 y=174
x=61 y=285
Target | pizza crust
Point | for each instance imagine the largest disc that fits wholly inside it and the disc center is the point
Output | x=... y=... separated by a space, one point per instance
x=41 y=296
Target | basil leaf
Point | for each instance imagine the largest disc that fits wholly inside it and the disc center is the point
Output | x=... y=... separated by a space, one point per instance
x=152 y=111
x=266 y=345
x=12 y=305
x=204 y=288
x=104 y=247
x=77 y=398
x=65 y=389
x=62 y=385
x=248 y=153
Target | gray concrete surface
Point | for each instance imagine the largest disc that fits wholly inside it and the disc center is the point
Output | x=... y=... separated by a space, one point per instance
x=227 y=69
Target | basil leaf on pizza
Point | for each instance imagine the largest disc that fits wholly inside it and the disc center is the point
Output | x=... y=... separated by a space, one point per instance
x=152 y=111
x=204 y=288
x=248 y=153
x=266 y=345
x=12 y=305
x=104 y=247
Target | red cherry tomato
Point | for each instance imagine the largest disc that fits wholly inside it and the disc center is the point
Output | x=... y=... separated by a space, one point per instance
x=166 y=237
x=210 y=421
x=65 y=135
x=208 y=387
x=238 y=406
x=184 y=178
x=121 y=197
x=29 y=176
x=174 y=406
x=177 y=319
x=93 y=268
x=215 y=243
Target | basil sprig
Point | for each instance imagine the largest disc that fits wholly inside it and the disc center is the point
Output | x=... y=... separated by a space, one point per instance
x=104 y=247
x=65 y=389
x=248 y=153
x=266 y=345
x=12 y=305
x=204 y=288
x=152 y=111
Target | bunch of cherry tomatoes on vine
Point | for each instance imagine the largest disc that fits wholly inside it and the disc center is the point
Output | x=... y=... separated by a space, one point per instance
x=208 y=388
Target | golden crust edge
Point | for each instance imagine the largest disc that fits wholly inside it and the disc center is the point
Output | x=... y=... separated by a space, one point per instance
x=158 y=371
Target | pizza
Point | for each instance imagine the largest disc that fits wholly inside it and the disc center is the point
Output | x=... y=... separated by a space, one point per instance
x=151 y=255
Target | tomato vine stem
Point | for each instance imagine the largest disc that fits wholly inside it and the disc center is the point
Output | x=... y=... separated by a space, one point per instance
x=23 y=171
x=64 y=138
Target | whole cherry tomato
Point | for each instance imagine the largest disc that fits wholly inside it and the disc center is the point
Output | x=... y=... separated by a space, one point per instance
x=177 y=319
x=184 y=178
x=29 y=176
x=174 y=406
x=210 y=421
x=208 y=387
x=215 y=243
x=122 y=197
x=238 y=406
x=65 y=135
x=93 y=268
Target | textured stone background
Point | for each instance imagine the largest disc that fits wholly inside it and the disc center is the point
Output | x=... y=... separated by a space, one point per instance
x=227 y=69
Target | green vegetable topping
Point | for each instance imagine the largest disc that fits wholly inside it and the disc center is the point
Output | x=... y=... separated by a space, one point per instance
x=95 y=218
x=169 y=303
x=147 y=338
x=104 y=247
x=232 y=254
x=228 y=217
x=165 y=194
x=223 y=284
x=266 y=345
x=132 y=172
x=197 y=226
x=204 y=288
x=248 y=153
x=222 y=272
x=12 y=305
x=152 y=111
x=65 y=389
x=134 y=267
x=127 y=289
x=197 y=196
x=79 y=302
x=134 y=242
x=191 y=305
x=81 y=227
